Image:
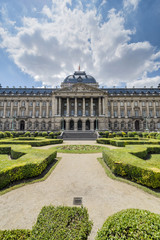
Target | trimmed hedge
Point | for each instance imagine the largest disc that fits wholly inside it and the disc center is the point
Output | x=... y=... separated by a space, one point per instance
x=131 y=224
x=62 y=223
x=124 y=142
x=34 y=143
x=31 y=164
x=126 y=163
x=18 y=234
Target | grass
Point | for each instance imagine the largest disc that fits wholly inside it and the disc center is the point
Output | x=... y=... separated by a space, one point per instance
x=78 y=149
x=120 y=179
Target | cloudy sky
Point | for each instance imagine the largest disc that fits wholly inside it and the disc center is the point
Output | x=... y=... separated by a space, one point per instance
x=116 y=41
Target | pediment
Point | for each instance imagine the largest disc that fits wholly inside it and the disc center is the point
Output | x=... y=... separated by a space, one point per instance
x=80 y=87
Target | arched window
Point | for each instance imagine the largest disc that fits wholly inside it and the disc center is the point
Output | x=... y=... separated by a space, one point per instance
x=43 y=125
x=36 y=125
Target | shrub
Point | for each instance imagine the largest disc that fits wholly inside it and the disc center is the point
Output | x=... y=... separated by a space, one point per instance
x=7 y=134
x=18 y=234
x=31 y=164
x=27 y=134
x=122 y=162
x=131 y=224
x=35 y=134
x=62 y=223
x=44 y=134
x=2 y=135
x=40 y=134
x=145 y=134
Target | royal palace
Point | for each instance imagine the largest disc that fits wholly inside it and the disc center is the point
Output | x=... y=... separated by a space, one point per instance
x=80 y=105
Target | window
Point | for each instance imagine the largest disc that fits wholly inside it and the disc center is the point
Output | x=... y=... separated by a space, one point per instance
x=143 y=104
x=115 y=125
x=8 y=104
x=36 y=125
x=135 y=104
x=37 y=113
x=150 y=113
x=37 y=104
x=30 y=113
x=157 y=104
x=144 y=113
x=150 y=104
x=30 y=125
x=22 y=113
x=65 y=104
x=128 y=104
x=65 y=112
x=136 y=113
x=72 y=104
x=122 y=113
x=109 y=103
x=129 y=113
x=121 y=104
x=15 y=104
x=50 y=113
x=43 y=103
x=87 y=104
x=43 y=113
x=43 y=125
x=87 y=113
x=129 y=125
x=157 y=113
x=115 y=114
x=80 y=104
x=114 y=104
x=109 y=114
x=79 y=112
x=8 y=113
x=158 y=125
x=23 y=103
x=30 y=104
x=72 y=112
x=122 y=125
x=1 y=103
x=15 y=113
x=1 y=113
x=50 y=103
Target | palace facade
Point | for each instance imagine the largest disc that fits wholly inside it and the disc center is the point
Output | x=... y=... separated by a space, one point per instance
x=80 y=105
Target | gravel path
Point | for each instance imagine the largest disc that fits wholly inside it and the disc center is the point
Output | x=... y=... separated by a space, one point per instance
x=76 y=175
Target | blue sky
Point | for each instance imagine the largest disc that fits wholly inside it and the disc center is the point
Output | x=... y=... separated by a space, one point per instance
x=116 y=41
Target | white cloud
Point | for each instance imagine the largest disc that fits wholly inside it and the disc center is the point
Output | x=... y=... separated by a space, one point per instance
x=52 y=47
x=131 y=4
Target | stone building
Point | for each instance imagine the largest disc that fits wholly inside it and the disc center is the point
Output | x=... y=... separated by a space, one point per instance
x=80 y=105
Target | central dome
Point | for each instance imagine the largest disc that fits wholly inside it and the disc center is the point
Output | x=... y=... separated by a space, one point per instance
x=79 y=77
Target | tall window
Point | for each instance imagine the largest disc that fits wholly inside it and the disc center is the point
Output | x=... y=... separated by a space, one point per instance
x=31 y=104
x=129 y=113
x=115 y=113
x=150 y=104
x=128 y=104
x=1 y=103
x=109 y=114
x=121 y=104
x=37 y=103
x=43 y=113
x=8 y=113
x=150 y=113
x=1 y=113
x=37 y=113
x=122 y=113
x=135 y=104
x=30 y=113
x=144 y=113
x=43 y=103
x=23 y=113
x=15 y=113
x=143 y=104
x=23 y=103
x=50 y=113
x=15 y=104
x=157 y=113
x=136 y=113
x=8 y=104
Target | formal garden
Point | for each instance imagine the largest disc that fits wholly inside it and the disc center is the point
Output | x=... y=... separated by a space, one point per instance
x=135 y=159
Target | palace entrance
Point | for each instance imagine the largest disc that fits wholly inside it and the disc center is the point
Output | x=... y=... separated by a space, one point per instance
x=137 y=125
x=71 y=125
x=22 y=125
x=79 y=125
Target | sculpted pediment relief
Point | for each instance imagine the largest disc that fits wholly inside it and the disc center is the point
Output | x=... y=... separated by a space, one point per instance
x=80 y=87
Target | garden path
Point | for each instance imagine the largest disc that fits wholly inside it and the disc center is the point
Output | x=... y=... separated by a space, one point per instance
x=76 y=175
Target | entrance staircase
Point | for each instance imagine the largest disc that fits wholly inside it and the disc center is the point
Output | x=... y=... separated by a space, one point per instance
x=79 y=135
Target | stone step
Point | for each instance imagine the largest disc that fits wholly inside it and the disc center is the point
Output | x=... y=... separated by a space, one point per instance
x=79 y=135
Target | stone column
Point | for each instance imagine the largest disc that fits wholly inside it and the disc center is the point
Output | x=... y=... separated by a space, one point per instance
x=125 y=109
x=99 y=105
x=84 y=107
x=92 y=125
x=55 y=104
x=112 y=111
x=47 y=109
x=60 y=105
x=4 y=112
x=75 y=125
x=27 y=106
x=91 y=106
x=34 y=109
x=83 y=125
x=19 y=102
x=67 y=106
x=103 y=105
x=40 y=110
x=67 y=125
x=11 y=108
x=147 y=106
x=140 y=108
x=132 y=106
x=119 y=113
x=154 y=109
x=75 y=107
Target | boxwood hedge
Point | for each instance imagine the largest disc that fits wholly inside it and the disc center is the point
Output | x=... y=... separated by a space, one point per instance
x=18 y=234
x=129 y=164
x=131 y=224
x=29 y=163
x=33 y=143
x=62 y=223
